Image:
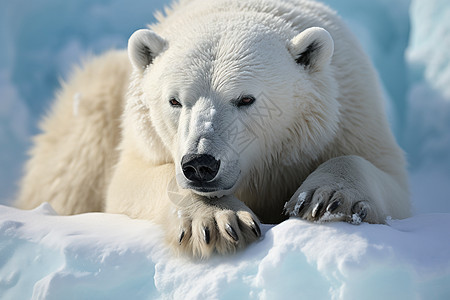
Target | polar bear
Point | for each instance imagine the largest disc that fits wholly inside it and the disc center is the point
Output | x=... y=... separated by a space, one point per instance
x=225 y=114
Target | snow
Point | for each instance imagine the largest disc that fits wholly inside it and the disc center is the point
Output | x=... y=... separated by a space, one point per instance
x=301 y=198
x=105 y=256
x=209 y=127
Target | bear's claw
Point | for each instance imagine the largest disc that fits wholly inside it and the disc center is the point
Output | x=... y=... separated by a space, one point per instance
x=231 y=232
x=303 y=200
x=316 y=210
x=359 y=211
x=328 y=203
x=206 y=235
x=181 y=237
x=220 y=226
x=333 y=206
x=256 y=229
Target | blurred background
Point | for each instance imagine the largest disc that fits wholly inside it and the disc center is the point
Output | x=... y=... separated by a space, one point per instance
x=408 y=42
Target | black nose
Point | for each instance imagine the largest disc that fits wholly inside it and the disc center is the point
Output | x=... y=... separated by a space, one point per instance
x=200 y=167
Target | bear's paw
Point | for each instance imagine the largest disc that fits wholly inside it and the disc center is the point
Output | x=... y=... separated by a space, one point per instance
x=210 y=226
x=329 y=203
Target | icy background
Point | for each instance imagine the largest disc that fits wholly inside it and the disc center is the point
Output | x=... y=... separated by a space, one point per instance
x=105 y=256
x=112 y=256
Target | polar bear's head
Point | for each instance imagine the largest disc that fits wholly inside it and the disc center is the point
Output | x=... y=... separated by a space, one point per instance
x=244 y=100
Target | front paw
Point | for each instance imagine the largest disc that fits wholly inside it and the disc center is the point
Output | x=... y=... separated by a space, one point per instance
x=330 y=203
x=214 y=225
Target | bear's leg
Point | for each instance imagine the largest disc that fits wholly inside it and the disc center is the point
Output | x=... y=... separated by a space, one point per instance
x=349 y=188
x=71 y=161
x=193 y=224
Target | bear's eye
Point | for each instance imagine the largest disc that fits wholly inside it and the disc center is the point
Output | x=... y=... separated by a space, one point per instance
x=245 y=100
x=174 y=102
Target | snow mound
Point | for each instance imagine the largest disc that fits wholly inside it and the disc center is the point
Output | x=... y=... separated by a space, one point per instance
x=105 y=256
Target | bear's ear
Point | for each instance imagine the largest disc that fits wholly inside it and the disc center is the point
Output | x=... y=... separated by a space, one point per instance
x=143 y=46
x=312 y=48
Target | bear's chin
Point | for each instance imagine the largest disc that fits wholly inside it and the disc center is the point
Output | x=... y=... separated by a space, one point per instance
x=212 y=195
x=215 y=188
x=208 y=190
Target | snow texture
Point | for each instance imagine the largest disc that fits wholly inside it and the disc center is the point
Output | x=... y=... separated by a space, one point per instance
x=103 y=256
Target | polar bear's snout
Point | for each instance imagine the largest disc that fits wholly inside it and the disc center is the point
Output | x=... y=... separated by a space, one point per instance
x=200 y=167
x=243 y=107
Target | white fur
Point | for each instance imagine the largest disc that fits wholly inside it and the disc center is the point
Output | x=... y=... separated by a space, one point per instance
x=318 y=129
x=314 y=34
x=150 y=42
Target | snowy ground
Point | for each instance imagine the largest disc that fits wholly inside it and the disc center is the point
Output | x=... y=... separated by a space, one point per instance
x=106 y=256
